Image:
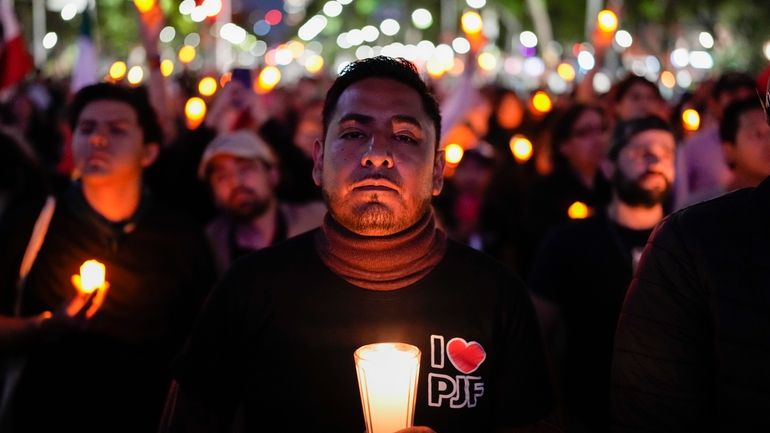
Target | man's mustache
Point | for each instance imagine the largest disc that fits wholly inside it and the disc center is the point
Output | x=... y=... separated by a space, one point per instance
x=391 y=178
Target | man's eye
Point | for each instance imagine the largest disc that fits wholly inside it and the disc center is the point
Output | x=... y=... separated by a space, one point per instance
x=85 y=128
x=118 y=130
x=352 y=135
x=406 y=138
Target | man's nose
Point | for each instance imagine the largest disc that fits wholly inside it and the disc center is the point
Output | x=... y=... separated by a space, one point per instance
x=377 y=153
x=98 y=137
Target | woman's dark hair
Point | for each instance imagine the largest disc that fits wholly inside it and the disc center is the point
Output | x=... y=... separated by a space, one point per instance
x=624 y=85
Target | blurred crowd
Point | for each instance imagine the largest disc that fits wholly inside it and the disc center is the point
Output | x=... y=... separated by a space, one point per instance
x=552 y=193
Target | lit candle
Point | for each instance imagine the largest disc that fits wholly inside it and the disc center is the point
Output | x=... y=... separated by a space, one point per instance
x=92 y=276
x=387 y=381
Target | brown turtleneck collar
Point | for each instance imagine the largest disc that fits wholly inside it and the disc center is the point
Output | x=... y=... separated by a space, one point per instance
x=381 y=262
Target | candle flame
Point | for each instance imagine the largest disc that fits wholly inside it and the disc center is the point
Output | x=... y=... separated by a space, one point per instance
x=92 y=276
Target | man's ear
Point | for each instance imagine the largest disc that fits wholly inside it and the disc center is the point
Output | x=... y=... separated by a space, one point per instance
x=728 y=150
x=150 y=152
x=438 y=171
x=608 y=168
x=318 y=161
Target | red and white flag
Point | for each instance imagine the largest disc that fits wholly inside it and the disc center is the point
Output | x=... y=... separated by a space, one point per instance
x=15 y=61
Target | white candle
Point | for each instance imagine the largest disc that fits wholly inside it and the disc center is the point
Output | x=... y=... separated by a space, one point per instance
x=92 y=275
x=387 y=381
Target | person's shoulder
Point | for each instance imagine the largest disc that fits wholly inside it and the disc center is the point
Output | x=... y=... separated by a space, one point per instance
x=287 y=256
x=715 y=214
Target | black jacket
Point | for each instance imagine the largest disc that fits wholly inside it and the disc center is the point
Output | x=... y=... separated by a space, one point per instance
x=692 y=349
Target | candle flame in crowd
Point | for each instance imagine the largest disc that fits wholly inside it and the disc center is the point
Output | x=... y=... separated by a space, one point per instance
x=453 y=153
x=118 y=70
x=521 y=148
x=167 y=67
x=207 y=86
x=471 y=22
x=690 y=120
x=607 y=21
x=92 y=276
x=144 y=6
x=187 y=54
x=269 y=77
x=195 y=112
x=541 y=102
x=387 y=380
x=578 y=211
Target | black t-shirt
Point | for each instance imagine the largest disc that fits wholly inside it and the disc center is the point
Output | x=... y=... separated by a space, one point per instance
x=585 y=267
x=114 y=375
x=278 y=336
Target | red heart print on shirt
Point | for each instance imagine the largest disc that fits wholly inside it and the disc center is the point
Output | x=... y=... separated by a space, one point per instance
x=465 y=356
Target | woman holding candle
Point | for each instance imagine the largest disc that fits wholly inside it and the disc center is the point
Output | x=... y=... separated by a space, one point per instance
x=155 y=270
x=278 y=335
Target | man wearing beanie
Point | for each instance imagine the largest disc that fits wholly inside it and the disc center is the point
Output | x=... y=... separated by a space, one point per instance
x=276 y=341
x=692 y=349
x=582 y=271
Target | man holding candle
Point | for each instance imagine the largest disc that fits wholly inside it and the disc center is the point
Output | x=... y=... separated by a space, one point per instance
x=100 y=362
x=276 y=339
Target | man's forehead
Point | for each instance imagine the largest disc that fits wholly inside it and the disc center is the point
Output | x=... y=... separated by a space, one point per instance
x=108 y=110
x=381 y=98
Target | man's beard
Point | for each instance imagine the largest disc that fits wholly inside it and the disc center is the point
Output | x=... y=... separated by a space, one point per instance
x=631 y=193
x=372 y=218
x=247 y=210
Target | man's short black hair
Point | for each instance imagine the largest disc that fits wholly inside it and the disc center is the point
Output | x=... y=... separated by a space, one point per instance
x=135 y=97
x=732 y=81
x=630 y=81
x=397 y=69
x=731 y=119
x=626 y=130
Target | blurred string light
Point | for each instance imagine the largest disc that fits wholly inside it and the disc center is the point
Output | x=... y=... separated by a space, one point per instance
x=602 y=83
x=69 y=11
x=167 y=34
x=332 y=8
x=195 y=112
x=268 y=78
x=135 y=75
x=167 y=67
x=186 y=7
x=118 y=70
x=312 y=27
x=624 y=39
x=453 y=153
x=706 y=40
x=461 y=45
x=232 y=33
x=534 y=66
x=528 y=39
x=586 y=60
x=684 y=78
x=49 y=40
x=193 y=40
x=477 y=4
x=578 y=211
x=207 y=86
x=370 y=33
x=541 y=102
x=701 y=60
x=521 y=148
x=422 y=18
x=187 y=54
x=471 y=22
x=389 y=27
x=680 y=57
x=274 y=17
x=607 y=21
x=690 y=120
x=766 y=50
